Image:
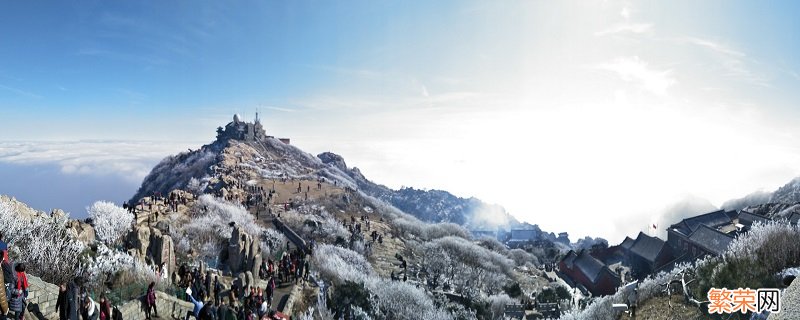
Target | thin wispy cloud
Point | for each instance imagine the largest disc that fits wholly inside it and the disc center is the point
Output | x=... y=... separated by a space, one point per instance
x=635 y=70
x=279 y=109
x=718 y=47
x=735 y=62
x=20 y=92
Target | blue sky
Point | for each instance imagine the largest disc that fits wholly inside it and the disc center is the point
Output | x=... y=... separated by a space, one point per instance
x=637 y=105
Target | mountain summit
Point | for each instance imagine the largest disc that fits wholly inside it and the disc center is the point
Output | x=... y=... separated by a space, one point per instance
x=245 y=148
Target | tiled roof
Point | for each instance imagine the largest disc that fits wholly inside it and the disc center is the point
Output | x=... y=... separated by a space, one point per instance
x=747 y=218
x=589 y=266
x=647 y=247
x=627 y=243
x=711 y=219
x=712 y=240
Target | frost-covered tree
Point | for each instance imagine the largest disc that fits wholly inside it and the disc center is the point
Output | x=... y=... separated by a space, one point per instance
x=43 y=243
x=209 y=227
x=497 y=304
x=753 y=258
x=338 y=264
x=272 y=241
x=107 y=263
x=401 y=300
x=110 y=221
x=388 y=299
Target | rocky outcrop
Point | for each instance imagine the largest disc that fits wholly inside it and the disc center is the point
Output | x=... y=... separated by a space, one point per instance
x=244 y=253
x=162 y=250
x=334 y=160
x=139 y=241
x=789 y=308
x=84 y=232
x=151 y=245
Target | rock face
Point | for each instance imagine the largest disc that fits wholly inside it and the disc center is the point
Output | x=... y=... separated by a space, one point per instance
x=243 y=252
x=162 y=250
x=151 y=245
x=139 y=240
x=83 y=231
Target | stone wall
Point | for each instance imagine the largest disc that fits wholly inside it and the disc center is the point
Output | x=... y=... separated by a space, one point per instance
x=169 y=307
x=42 y=298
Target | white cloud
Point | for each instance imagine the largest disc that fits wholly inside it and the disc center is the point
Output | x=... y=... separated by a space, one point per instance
x=633 y=69
x=131 y=160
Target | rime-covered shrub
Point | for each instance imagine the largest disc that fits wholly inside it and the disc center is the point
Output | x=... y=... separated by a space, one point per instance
x=773 y=244
x=48 y=249
x=497 y=304
x=753 y=258
x=411 y=226
x=388 y=299
x=598 y=309
x=108 y=263
x=209 y=227
x=468 y=267
x=492 y=244
x=110 y=221
x=314 y=222
x=474 y=256
x=400 y=300
x=272 y=241
x=196 y=186
x=520 y=257
x=338 y=264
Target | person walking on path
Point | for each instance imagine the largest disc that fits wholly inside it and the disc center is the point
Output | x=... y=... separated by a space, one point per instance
x=150 y=301
x=61 y=304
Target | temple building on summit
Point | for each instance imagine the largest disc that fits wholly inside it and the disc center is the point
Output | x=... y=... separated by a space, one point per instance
x=245 y=131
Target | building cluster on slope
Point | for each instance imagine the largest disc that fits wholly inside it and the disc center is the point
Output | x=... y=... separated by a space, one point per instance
x=601 y=271
x=245 y=131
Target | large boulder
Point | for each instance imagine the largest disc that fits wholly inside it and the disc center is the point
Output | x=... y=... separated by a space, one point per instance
x=162 y=250
x=139 y=240
x=255 y=265
x=249 y=281
x=242 y=252
x=237 y=249
x=82 y=230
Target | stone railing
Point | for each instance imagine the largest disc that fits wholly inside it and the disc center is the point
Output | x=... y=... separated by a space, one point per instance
x=169 y=307
x=42 y=298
